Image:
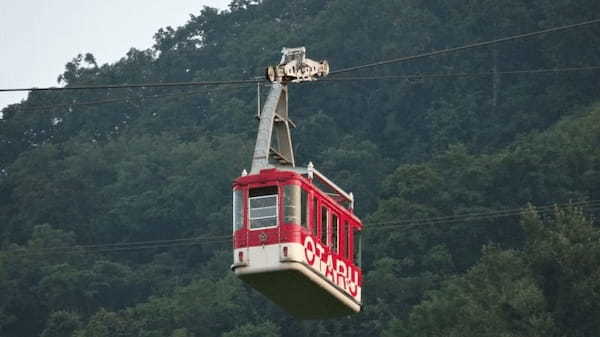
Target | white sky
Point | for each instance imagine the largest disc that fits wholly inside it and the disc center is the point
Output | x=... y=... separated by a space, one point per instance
x=38 y=37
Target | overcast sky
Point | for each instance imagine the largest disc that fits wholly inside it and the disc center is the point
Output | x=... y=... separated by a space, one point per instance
x=38 y=37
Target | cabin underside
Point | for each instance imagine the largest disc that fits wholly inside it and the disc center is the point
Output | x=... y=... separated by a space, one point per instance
x=299 y=294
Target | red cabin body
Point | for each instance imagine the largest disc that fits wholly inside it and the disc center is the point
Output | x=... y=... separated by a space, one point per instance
x=296 y=244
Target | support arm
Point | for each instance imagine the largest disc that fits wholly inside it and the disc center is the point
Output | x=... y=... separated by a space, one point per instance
x=274 y=142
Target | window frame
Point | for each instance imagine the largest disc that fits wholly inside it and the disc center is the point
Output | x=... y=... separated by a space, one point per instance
x=349 y=242
x=324 y=210
x=240 y=203
x=335 y=232
x=304 y=203
x=315 y=215
x=357 y=247
x=303 y=214
x=291 y=215
x=276 y=211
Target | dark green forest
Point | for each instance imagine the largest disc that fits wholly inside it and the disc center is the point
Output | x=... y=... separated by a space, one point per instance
x=479 y=194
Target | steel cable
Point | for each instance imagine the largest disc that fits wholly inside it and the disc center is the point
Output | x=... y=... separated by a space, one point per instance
x=465 y=47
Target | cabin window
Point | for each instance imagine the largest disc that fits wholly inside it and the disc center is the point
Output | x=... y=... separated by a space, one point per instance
x=324 y=225
x=348 y=242
x=263 y=207
x=357 y=248
x=296 y=205
x=344 y=245
x=303 y=208
x=334 y=233
x=315 y=211
x=238 y=209
x=292 y=203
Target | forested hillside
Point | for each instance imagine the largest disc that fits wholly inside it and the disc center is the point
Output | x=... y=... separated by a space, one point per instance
x=456 y=175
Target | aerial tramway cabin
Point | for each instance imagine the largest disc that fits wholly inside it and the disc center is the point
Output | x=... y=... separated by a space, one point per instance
x=296 y=238
x=297 y=244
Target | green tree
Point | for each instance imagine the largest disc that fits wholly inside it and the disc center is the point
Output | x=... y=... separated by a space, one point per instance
x=564 y=255
x=265 y=329
x=107 y=324
x=497 y=297
x=61 y=324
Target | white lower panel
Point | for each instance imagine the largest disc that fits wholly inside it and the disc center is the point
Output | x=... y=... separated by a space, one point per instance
x=270 y=259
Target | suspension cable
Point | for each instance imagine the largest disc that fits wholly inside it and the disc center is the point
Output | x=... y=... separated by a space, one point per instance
x=465 y=47
x=136 y=85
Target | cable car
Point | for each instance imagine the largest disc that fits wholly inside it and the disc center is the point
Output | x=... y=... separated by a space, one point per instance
x=296 y=238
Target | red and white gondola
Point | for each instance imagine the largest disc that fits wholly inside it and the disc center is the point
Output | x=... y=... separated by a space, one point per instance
x=296 y=238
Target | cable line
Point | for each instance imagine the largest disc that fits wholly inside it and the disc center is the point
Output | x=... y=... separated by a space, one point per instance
x=135 y=243
x=448 y=75
x=490 y=213
x=591 y=205
x=465 y=47
x=117 y=247
x=335 y=79
x=106 y=101
x=117 y=100
x=404 y=226
x=414 y=226
x=510 y=210
x=398 y=225
x=136 y=85
x=365 y=66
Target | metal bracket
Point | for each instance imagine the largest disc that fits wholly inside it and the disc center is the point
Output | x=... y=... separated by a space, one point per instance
x=274 y=141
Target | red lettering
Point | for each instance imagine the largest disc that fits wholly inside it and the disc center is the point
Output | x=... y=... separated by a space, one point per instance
x=329 y=269
x=353 y=282
x=334 y=269
x=320 y=252
x=309 y=250
x=341 y=273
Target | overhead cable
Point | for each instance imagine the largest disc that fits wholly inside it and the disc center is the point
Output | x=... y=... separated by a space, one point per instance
x=114 y=100
x=118 y=247
x=398 y=225
x=465 y=47
x=136 y=85
x=448 y=75
x=476 y=216
x=335 y=79
x=365 y=66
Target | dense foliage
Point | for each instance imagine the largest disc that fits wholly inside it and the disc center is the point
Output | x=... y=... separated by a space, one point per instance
x=449 y=149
